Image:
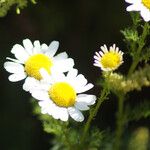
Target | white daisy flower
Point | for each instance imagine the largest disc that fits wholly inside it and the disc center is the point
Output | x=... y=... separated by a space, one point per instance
x=30 y=58
x=108 y=60
x=60 y=95
x=143 y=6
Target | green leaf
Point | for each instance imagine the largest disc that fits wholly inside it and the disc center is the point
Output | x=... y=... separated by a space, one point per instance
x=145 y=56
x=50 y=125
x=5 y=5
x=142 y=110
x=130 y=35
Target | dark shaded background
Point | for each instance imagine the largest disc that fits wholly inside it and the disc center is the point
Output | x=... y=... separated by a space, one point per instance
x=81 y=27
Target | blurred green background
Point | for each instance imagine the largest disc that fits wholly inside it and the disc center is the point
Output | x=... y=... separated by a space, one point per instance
x=81 y=27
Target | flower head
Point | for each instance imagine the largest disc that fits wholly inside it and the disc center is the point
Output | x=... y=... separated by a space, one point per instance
x=143 y=6
x=60 y=95
x=30 y=58
x=108 y=60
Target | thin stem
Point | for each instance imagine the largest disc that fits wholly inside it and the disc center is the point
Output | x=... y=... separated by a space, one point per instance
x=141 y=44
x=120 y=123
x=65 y=133
x=93 y=114
x=120 y=113
x=133 y=66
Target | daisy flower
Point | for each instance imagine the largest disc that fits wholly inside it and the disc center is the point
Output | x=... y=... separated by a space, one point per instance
x=143 y=6
x=108 y=60
x=61 y=96
x=30 y=58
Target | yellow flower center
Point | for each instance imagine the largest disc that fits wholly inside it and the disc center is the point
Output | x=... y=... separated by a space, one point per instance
x=110 y=60
x=62 y=94
x=35 y=63
x=146 y=3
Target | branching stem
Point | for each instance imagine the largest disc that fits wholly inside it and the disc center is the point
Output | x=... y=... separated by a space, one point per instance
x=93 y=113
x=141 y=44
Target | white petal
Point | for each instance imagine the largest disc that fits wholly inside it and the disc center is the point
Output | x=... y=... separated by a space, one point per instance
x=96 y=57
x=81 y=106
x=55 y=111
x=13 y=67
x=97 y=54
x=16 y=77
x=44 y=47
x=45 y=75
x=46 y=106
x=37 y=44
x=20 y=53
x=43 y=110
x=57 y=77
x=96 y=61
x=40 y=94
x=28 y=46
x=104 y=49
x=133 y=8
x=101 y=54
x=61 y=56
x=129 y=1
x=72 y=73
x=97 y=65
x=63 y=65
x=145 y=13
x=15 y=60
x=78 y=82
x=63 y=114
x=52 y=49
x=85 y=88
x=37 y=47
x=30 y=84
x=88 y=99
x=75 y=114
x=81 y=80
x=44 y=85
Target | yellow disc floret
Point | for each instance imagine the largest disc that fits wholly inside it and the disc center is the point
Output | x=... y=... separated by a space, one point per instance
x=35 y=63
x=62 y=94
x=146 y=3
x=110 y=60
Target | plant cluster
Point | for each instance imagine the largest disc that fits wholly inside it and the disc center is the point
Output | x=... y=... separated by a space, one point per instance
x=58 y=90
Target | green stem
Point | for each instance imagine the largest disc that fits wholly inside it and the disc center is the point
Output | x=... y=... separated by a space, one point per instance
x=65 y=133
x=93 y=114
x=33 y=1
x=120 y=123
x=133 y=66
x=120 y=113
x=141 y=44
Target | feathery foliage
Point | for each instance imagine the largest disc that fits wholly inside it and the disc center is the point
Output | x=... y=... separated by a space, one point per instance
x=5 y=5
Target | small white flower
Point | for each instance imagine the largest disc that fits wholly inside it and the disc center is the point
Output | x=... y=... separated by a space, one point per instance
x=60 y=95
x=30 y=58
x=108 y=60
x=143 y=6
